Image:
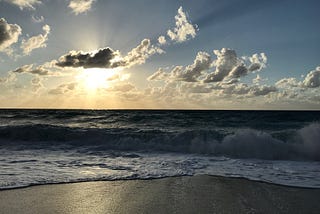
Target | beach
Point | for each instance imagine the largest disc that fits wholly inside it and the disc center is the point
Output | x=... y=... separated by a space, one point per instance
x=186 y=194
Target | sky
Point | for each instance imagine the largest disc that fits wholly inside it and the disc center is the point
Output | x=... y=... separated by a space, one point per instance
x=169 y=54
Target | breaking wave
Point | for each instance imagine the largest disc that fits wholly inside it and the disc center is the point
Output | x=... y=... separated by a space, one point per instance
x=300 y=144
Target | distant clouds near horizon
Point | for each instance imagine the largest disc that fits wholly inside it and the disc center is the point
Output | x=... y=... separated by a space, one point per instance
x=143 y=76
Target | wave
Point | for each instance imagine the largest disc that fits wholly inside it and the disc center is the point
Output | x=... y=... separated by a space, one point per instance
x=301 y=144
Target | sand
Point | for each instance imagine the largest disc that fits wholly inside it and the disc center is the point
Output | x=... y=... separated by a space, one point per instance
x=195 y=194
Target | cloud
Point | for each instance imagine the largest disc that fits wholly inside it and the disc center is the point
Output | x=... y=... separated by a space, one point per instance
x=140 y=54
x=192 y=72
x=108 y=58
x=122 y=87
x=102 y=58
x=80 y=6
x=312 y=80
x=159 y=75
x=37 y=19
x=11 y=77
x=29 y=4
x=162 y=40
x=183 y=29
x=36 y=84
x=63 y=89
x=197 y=88
x=226 y=67
x=9 y=34
x=287 y=83
x=258 y=62
x=36 y=42
x=31 y=69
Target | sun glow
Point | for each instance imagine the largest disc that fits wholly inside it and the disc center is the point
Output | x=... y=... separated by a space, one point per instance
x=95 y=78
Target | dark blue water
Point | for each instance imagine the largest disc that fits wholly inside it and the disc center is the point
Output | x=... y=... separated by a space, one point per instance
x=118 y=144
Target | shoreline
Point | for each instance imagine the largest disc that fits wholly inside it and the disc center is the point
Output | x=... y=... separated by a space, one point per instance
x=165 y=177
x=182 y=194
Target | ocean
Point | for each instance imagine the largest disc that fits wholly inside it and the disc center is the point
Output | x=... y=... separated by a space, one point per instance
x=62 y=146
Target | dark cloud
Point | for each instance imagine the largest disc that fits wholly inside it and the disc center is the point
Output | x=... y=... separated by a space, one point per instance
x=9 y=34
x=103 y=58
x=108 y=58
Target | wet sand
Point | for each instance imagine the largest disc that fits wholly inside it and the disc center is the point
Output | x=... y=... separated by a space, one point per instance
x=196 y=194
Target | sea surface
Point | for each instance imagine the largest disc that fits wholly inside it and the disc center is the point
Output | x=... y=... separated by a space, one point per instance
x=61 y=146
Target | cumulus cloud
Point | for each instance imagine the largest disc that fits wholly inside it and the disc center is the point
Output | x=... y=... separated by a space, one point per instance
x=287 y=83
x=192 y=72
x=36 y=42
x=258 y=62
x=312 y=80
x=108 y=58
x=183 y=29
x=227 y=67
x=80 y=6
x=160 y=74
x=9 y=34
x=103 y=58
x=29 y=4
x=140 y=54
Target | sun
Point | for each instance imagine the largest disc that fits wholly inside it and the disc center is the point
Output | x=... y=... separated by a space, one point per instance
x=95 y=78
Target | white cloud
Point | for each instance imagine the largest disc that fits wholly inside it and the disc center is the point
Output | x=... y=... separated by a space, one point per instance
x=80 y=6
x=287 y=83
x=36 y=42
x=159 y=75
x=9 y=34
x=312 y=80
x=141 y=53
x=183 y=29
x=192 y=72
x=227 y=68
x=228 y=65
x=258 y=62
x=29 y=4
x=162 y=40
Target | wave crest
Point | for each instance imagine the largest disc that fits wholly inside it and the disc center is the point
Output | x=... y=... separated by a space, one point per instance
x=243 y=143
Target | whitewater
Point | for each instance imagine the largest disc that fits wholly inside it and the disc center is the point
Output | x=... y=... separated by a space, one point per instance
x=62 y=146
